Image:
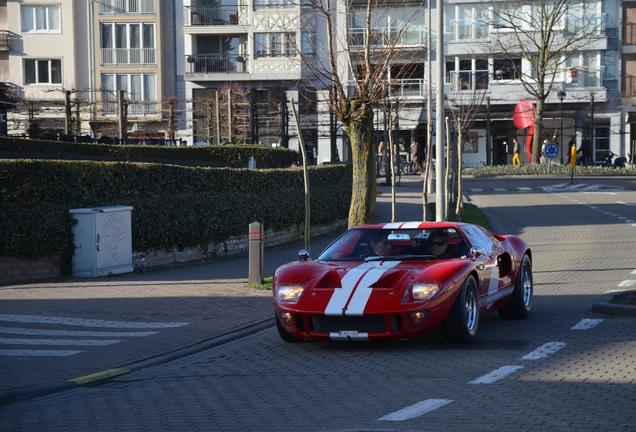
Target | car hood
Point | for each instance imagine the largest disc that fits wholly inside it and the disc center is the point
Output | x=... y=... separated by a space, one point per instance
x=357 y=288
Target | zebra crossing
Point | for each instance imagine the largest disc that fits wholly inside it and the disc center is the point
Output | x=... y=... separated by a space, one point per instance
x=562 y=187
x=38 y=342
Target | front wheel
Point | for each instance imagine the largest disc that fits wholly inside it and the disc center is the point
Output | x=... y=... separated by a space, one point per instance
x=463 y=320
x=284 y=334
x=520 y=303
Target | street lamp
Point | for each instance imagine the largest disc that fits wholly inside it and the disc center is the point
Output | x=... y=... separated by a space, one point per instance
x=561 y=96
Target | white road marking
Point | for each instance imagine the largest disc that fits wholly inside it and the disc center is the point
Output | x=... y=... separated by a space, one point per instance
x=594 y=207
x=416 y=410
x=627 y=283
x=476 y=190
x=621 y=202
x=500 y=189
x=544 y=351
x=37 y=353
x=60 y=342
x=600 y=193
x=496 y=375
x=634 y=224
x=524 y=189
x=586 y=323
x=37 y=319
x=72 y=333
x=622 y=218
x=629 y=221
x=634 y=271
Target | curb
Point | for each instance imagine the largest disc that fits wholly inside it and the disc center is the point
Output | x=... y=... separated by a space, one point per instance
x=607 y=307
x=117 y=371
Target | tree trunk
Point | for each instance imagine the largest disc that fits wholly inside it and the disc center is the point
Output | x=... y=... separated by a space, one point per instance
x=392 y=152
x=427 y=171
x=448 y=168
x=460 y=201
x=538 y=132
x=360 y=132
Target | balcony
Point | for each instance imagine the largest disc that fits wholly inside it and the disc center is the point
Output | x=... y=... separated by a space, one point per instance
x=128 y=56
x=135 y=108
x=414 y=36
x=212 y=64
x=5 y=40
x=126 y=7
x=215 y=16
x=465 y=30
x=401 y=89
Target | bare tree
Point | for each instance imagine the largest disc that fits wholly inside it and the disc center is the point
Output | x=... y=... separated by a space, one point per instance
x=354 y=65
x=544 y=33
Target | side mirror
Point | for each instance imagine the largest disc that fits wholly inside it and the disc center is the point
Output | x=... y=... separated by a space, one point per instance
x=476 y=253
x=303 y=255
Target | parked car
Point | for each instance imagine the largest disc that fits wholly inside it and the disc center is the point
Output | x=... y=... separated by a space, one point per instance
x=404 y=280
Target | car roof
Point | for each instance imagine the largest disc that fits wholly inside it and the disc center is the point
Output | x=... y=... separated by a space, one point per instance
x=412 y=225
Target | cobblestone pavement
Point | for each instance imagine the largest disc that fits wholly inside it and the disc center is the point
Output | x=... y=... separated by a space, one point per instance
x=567 y=374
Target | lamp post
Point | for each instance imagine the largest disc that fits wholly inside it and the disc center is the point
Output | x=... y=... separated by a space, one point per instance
x=561 y=96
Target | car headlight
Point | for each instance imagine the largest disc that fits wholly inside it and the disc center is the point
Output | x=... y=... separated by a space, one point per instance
x=424 y=291
x=288 y=294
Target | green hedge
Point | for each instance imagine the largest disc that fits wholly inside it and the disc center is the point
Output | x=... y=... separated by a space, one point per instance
x=564 y=170
x=235 y=156
x=173 y=206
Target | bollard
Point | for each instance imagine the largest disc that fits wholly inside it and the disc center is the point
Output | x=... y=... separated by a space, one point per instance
x=255 y=274
x=251 y=163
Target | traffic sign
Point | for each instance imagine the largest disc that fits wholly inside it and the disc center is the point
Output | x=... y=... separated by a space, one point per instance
x=551 y=150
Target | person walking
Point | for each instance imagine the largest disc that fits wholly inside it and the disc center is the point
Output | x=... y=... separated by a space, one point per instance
x=515 y=149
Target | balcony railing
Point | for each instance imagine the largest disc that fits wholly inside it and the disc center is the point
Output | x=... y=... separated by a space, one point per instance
x=629 y=36
x=123 y=7
x=463 y=29
x=5 y=39
x=128 y=56
x=216 y=64
x=205 y=16
x=391 y=36
x=399 y=88
x=135 y=108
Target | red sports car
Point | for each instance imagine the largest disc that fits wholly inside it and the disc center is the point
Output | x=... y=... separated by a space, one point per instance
x=402 y=280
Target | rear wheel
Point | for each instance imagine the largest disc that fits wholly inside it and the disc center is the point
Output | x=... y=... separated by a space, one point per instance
x=284 y=334
x=463 y=320
x=520 y=303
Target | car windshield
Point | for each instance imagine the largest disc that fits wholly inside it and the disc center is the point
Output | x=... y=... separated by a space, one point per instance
x=396 y=244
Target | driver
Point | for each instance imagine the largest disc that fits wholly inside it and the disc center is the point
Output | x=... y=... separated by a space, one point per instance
x=380 y=245
x=438 y=243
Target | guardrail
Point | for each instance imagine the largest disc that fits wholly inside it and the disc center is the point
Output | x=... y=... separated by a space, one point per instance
x=124 y=7
x=414 y=36
x=121 y=56
x=216 y=64
x=222 y=15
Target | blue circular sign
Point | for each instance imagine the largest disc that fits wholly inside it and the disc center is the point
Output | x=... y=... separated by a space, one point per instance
x=551 y=150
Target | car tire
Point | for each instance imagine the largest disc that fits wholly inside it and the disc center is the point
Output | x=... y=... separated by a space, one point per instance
x=463 y=320
x=520 y=303
x=284 y=334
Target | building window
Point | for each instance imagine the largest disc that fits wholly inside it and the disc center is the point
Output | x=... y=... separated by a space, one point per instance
x=308 y=43
x=43 y=71
x=40 y=19
x=274 y=45
x=132 y=43
x=507 y=69
x=116 y=7
x=140 y=90
x=601 y=143
x=274 y=3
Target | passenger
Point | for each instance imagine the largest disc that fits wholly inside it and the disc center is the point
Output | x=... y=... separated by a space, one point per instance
x=380 y=246
x=438 y=243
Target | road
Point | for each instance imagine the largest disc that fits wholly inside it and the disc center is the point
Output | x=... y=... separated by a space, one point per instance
x=565 y=369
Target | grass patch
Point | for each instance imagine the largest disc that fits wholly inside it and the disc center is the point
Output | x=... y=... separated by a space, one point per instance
x=556 y=170
x=266 y=285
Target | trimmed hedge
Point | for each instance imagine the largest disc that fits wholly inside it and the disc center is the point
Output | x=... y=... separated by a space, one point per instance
x=508 y=170
x=235 y=156
x=173 y=206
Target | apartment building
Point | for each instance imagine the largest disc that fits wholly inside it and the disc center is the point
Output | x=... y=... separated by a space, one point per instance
x=242 y=63
x=588 y=83
x=41 y=45
x=628 y=67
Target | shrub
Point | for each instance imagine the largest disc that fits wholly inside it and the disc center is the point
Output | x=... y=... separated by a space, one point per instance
x=172 y=206
x=556 y=170
x=235 y=156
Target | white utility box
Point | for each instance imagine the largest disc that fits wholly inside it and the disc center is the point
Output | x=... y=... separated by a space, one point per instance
x=103 y=241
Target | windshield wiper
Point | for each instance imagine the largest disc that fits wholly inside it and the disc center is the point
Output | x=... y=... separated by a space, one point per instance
x=399 y=257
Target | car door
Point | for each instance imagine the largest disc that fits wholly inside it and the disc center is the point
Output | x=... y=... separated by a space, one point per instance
x=486 y=250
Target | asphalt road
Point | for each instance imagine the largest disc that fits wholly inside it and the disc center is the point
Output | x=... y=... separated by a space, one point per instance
x=565 y=369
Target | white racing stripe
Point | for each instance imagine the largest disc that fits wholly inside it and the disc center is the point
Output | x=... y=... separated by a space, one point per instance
x=72 y=333
x=348 y=282
x=60 y=342
x=363 y=291
x=493 y=285
x=586 y=323
x=416 y=410
x=37 y=353
x=627 y=283
x=393 y=225
x=544 y=351
x=37 y=319
x=496 y=375
x=411 y=225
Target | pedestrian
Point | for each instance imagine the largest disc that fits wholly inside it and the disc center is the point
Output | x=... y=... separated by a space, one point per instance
x=415 y=159
x=571 y=144
x=380 y=158
x=515 y=149
x=542 y=158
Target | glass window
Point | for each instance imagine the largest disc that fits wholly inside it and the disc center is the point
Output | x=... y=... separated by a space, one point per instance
x=40 y=18
x=135 y=37
x=260 y=45
x=601 y=143
x=150 y=93
x=507 y=69
x=106 y=36
x=308 y=43
x=478 y=238
x=29 y=72
x=149 y=35
x=56 y=71
x=42 y=71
